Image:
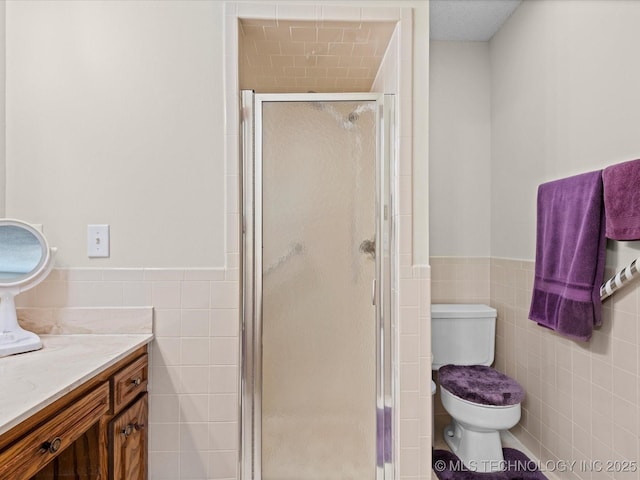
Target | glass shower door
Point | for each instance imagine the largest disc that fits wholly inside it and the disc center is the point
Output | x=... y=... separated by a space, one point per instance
x=316 y=349
x=318 y=320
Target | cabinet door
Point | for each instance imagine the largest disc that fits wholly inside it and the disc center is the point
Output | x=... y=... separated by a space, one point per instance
x=128 y=436
x=79 y=461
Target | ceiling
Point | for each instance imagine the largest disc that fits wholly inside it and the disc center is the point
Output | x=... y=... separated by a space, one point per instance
x=301 y=56
x=284 y=56
x=468 y=20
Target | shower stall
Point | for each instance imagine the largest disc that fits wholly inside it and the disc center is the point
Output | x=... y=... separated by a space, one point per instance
x=317 y=263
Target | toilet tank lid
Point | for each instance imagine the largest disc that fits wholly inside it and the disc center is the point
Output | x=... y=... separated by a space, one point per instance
x=461 y=310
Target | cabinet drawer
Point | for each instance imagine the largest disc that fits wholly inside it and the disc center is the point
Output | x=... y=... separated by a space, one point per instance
x=129 y=382
x=27 y=456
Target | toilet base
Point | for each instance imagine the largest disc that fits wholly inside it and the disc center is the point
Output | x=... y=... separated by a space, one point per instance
x=480 y=451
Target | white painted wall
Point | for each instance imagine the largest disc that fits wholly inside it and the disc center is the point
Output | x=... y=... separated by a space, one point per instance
x=564 y=100
x=459 y=149
x=115 y=115
x=3 y=8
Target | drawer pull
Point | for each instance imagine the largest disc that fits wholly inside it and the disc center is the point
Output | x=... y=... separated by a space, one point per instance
x=52 y=447
x=131 y=427
x=136 y=381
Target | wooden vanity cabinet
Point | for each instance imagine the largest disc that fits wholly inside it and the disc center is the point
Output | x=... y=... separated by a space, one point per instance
x=96 y=432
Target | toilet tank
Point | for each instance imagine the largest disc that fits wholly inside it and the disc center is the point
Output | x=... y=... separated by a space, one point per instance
x=462 y=334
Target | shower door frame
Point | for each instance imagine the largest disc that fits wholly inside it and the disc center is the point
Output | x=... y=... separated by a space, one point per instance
x=250 y=361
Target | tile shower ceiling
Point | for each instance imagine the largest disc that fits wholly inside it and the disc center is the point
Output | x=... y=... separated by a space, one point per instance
x=300 y=56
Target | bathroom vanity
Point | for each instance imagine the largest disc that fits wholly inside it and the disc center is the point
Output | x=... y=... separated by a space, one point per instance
x=76 y=409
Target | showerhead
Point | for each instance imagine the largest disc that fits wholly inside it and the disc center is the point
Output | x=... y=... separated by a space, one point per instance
x=345 y=121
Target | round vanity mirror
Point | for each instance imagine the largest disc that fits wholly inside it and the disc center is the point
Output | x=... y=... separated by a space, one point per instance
x=25 y=260
x=23 y=252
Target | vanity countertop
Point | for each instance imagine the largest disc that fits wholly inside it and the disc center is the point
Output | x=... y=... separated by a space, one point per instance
x=31 y=381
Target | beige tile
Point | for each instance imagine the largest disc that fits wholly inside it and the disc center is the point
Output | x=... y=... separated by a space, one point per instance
x=625 y=355
x=88 y=294
x=626 y=415
x=165 y=379
x=225 y=295
x=165 y=438
x=222 y=464
x=409 y=348
x=195 y=294
x=223 y=435
x=194 y=379
x=195 y=323
x=166 y=351
x=304 y=34
x=224 y=322
x=409 y=377
x=223 y=351
x=163 y=274
x=409 y=462
x=625 y=385
x=136 y=294
x=341 y=49
x=409 y=321
x=336 y=72
x=292 y=48
x=277 y=33
x=223 y=408
x=166 y=322
x=194 y=408
x=166 y=294
x=409 y=433
x=194 y=351
x=410 y=405
x=601 y=372
x=164 y=408
x=194 y=436
x=194 y=464
x=223 y=379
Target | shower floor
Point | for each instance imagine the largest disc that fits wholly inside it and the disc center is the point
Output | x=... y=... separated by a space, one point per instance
x=316 y=449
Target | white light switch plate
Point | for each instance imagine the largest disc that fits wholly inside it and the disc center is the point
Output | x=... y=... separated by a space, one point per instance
x=98 y=241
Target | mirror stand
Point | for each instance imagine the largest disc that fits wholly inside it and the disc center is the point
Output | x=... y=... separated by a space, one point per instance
x=26 y=260
x=13 y=338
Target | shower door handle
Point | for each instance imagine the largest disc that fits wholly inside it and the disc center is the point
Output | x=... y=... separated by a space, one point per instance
x=373 y=292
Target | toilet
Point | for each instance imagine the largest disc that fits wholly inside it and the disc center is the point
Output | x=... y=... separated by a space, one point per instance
x=480 y=400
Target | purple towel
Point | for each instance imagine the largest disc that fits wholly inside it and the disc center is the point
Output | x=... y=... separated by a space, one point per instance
x=570 y=255
x=622 y=200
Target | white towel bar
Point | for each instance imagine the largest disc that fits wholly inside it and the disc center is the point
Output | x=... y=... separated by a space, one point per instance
x=619 y=280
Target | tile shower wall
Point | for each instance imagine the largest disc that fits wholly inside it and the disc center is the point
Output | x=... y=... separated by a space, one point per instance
x=194 y=358
x=582 y=400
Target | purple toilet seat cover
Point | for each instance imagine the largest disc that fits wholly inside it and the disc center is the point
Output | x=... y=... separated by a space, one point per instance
x=480 y=384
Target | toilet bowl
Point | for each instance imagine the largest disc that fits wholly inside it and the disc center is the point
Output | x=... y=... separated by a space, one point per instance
x=474 y=432
x=481 y=400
